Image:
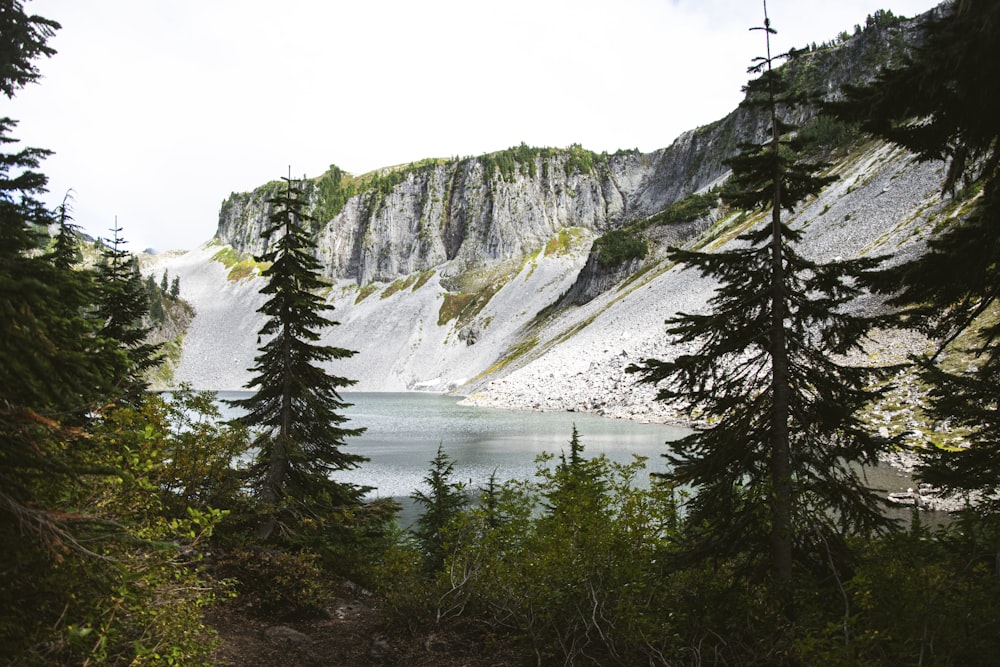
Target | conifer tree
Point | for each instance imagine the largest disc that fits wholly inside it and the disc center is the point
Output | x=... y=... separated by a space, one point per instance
x=123 y=307
x=941 y=104
x=442 y=502
x=772 y=471
x=44 y=374
x=295 y=408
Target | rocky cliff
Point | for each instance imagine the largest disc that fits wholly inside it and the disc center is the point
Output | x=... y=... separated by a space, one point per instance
x=484 y=275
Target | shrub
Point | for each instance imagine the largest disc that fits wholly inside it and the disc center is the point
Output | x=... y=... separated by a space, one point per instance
x=277 y=584
x=619 y=246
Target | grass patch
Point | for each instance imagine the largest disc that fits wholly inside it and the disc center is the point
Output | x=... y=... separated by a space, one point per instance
x=422 y=280
x=516 y=352
x=240 y=265
x=564 y=241
x=365 y=292
x=227 y=257
x=453 y=306
x=399 y=286
x=464 y=306
x=246 y=269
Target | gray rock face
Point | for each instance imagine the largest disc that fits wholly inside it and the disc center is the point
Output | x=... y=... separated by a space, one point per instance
x=483 y=211
x=471 y=215
x=447 y=279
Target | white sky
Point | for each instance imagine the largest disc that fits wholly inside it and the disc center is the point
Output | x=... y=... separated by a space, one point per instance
x=158 y=109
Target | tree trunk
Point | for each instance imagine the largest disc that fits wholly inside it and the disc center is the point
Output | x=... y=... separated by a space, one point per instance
x=781 y=463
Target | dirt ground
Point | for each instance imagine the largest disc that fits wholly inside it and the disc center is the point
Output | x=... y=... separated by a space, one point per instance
x=352 y=635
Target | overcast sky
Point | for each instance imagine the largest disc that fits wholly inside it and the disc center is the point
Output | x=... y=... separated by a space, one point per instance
x=158 y=109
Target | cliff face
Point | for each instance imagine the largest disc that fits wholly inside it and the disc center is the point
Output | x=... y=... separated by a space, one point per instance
x=482 y=211
x=479 y=275
x=474 y=213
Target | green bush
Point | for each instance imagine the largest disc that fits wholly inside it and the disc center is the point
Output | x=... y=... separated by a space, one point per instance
x=561 y=565
x=619 y=246
x=687 y=209
x=278 y=584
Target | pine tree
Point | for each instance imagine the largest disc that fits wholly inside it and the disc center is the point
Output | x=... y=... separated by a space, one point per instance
x=441 y=503
x=296 y=403
x=772 y=471
x=45 y=373
x=123 y=306
x=941 y=104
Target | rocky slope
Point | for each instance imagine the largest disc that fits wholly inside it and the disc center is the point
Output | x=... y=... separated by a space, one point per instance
x=476 y=276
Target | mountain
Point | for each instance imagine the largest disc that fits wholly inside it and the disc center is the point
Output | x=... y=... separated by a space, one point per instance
x=532 y=277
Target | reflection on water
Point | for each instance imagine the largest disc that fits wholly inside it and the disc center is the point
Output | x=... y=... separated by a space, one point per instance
x=403 y=431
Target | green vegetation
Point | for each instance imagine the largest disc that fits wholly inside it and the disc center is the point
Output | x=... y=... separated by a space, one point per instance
x=298 y=432
x=333 y=188
x=689 y=208
x=365 y=292
x=240 y=266
x=125 y=515
x=937 y=112
x=422 y=279
x=464 y=306
x=404 y=284
x=453 y=306
x=564 y=241
x=523 y=159
x=619 y=246
x=784 y=428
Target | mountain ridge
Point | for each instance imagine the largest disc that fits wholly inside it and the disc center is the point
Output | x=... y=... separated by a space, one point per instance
x=478 y=276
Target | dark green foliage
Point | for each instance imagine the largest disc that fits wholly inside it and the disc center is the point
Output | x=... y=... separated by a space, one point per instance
x=278 y=585
x=523 y=159
x=581 y=567
x=114 y=580
x=619 y=246
x=580 y=160
x=154 y=296
x=384 y=182
x=824 y=133
x=561 y=567
x=123 y=307
x=772 y=474
x=441 y=503
x=93 y=569
x=334 y=188
x=940 y=104
x=882 y=19
x=47 y=368
x=299 y=433
x=921 y=597
x=689 y=208
x=24 y=41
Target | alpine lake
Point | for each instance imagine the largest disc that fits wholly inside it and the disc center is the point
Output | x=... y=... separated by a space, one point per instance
x=403 y=432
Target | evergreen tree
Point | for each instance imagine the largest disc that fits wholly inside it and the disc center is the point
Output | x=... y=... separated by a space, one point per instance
x=772 y=472
x=941 y=104
x=442 y=502
x=294 y=409
x=163 y=282
x=123 y=307
x=47 y=371
x=175 y=287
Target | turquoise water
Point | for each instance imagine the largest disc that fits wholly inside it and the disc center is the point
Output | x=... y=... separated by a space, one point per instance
x=403 y=431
